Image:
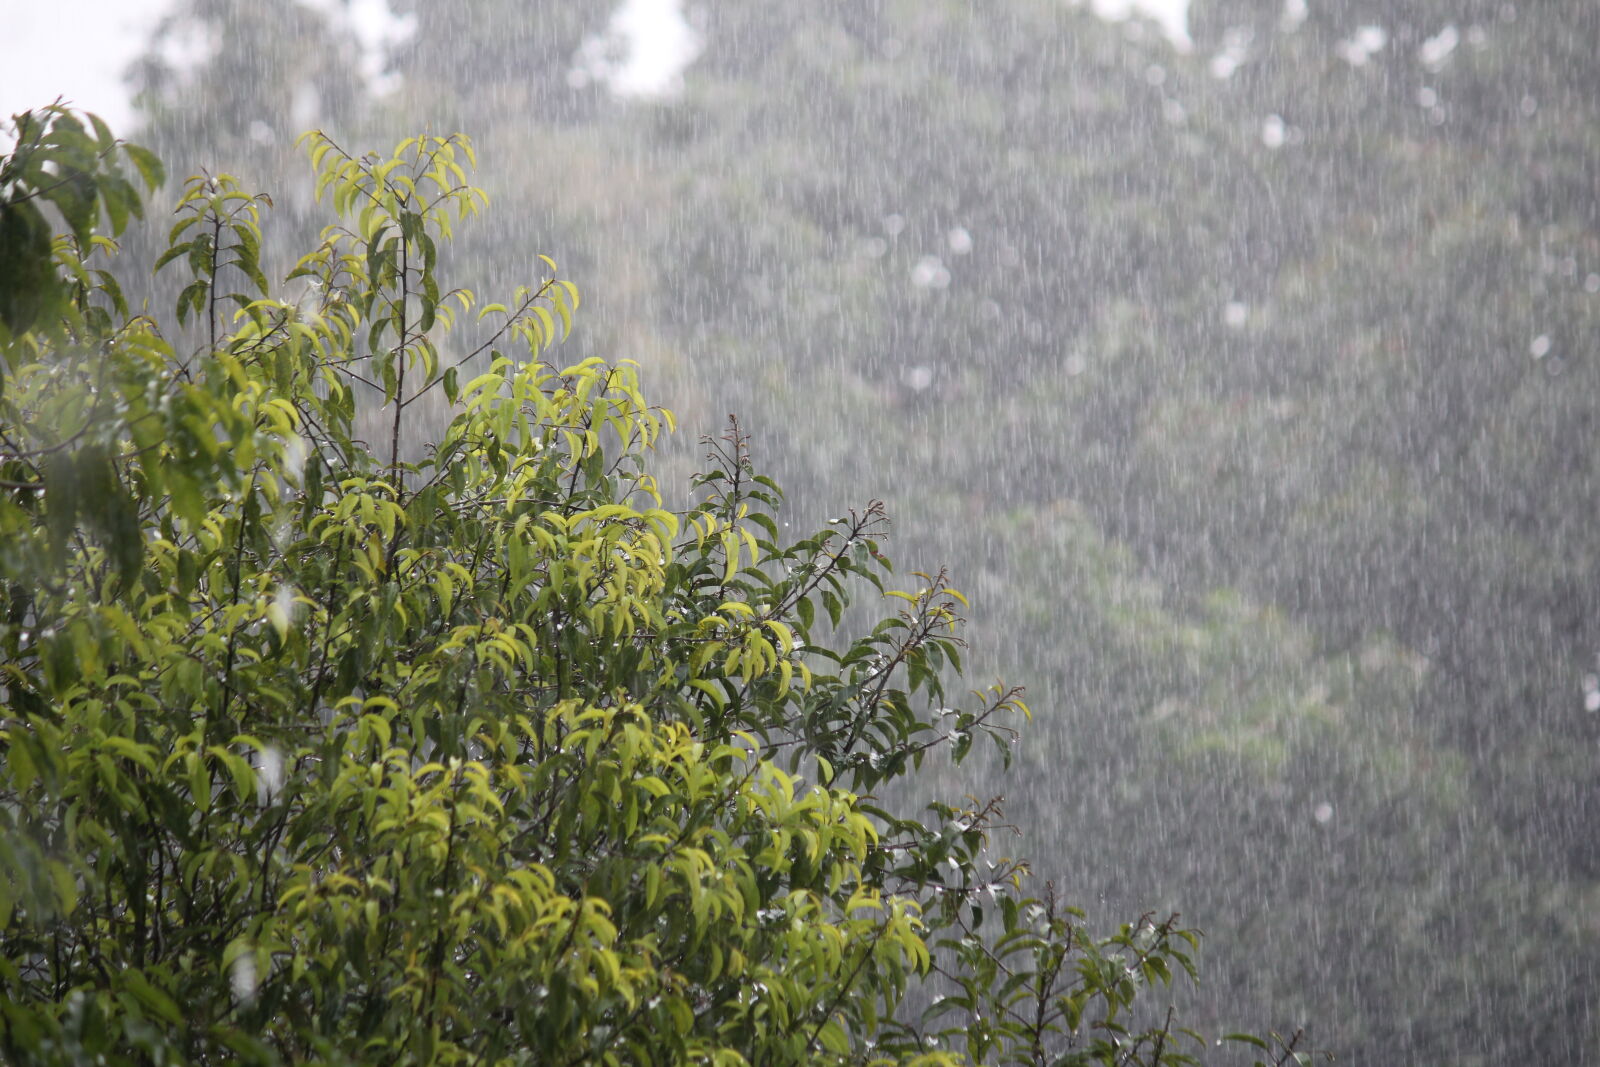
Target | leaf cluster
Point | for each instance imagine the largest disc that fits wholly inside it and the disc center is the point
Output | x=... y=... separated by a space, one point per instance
x=60 y=166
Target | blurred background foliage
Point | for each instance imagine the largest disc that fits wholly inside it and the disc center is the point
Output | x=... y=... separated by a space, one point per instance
x=1251 y=388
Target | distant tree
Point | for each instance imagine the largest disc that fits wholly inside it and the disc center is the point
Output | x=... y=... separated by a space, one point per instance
x=313 y=753
x=232 y=82
x=496 y=49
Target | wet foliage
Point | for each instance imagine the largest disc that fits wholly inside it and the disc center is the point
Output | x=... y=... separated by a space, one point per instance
x=315 y=751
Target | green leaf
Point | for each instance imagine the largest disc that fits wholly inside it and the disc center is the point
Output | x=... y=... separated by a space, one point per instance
x=134 y=981
x=834 y=606
x=807 y=612
x=148 y=165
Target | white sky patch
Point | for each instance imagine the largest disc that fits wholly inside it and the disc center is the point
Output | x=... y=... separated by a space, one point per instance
x=1171 y=15
x=644 y=51
x=106 y=36
x=77 y=49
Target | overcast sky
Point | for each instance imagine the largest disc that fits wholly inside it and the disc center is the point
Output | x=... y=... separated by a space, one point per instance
x=37 y=62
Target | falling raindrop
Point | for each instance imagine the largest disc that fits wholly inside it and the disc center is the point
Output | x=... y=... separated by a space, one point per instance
x=243 y=978
x=1436 y=50
x=1273 y=131
x=269 y=774
x=1366 y=42
x=930 y=273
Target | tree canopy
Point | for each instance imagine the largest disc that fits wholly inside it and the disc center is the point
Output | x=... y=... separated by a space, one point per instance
x=321 y=742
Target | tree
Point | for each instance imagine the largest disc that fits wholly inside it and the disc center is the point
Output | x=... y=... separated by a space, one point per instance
x=524 y=57
x=57 y=163
x=314 y=750
x=235 y=81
